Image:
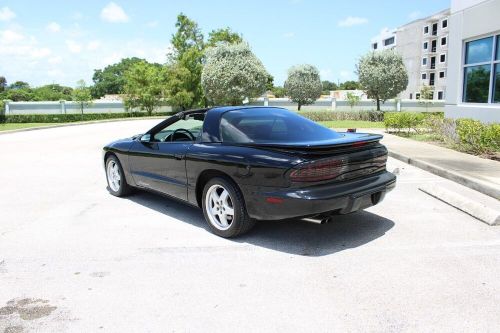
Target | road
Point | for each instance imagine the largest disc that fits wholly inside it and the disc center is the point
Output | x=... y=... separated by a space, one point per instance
x=75 y=259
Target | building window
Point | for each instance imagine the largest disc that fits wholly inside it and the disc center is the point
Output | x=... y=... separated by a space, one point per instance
x=411 y=96
x=424 y=76
x=441 y=75
x=440 y=95
x=374 y=46
x=444 y=24
x=389 y=41
x=426 y=45
x=426 y=30
x=424 y=61
x=480 y=62
x=442 y=57
x=443 y=41
x=417 y=96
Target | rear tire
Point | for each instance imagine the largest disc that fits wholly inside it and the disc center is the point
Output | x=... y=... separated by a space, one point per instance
x=117 y=184
x=224 y=208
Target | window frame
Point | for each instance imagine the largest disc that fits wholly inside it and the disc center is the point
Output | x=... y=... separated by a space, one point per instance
x=442 y=22
x=425 y=45
x=492 y=62
x=423 y=76
x=422 y=62
x=423 y=29
x=392 y=39
x=442 y=95
x=444 y=75
x=440 y=56
x=445 y=38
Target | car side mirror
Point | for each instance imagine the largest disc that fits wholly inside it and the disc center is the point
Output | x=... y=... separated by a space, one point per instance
x=146 y=138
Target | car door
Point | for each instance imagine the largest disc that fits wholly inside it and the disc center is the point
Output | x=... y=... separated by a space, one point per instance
x=157 y=160
x=160 y=166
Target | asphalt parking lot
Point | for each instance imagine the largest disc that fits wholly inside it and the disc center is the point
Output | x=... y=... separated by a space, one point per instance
x=75 y=259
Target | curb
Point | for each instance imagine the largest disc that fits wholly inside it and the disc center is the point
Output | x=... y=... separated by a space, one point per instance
x=477 y=210
x=469 y=182
x=78 y=123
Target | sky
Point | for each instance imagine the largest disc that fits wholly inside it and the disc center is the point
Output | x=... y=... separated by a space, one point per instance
x=43 y=42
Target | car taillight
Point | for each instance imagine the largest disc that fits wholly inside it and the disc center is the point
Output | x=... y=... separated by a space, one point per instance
x=318 y=170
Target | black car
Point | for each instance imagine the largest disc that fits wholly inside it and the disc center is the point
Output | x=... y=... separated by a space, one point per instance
x=241 y=164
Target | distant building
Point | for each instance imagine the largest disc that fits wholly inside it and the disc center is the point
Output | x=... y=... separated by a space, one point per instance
x=423 y=44
x=474 y=64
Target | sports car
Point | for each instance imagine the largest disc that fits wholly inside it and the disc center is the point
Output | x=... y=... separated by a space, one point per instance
x=243 y=164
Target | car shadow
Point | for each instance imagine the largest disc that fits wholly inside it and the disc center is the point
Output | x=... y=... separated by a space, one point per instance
x=296 y=237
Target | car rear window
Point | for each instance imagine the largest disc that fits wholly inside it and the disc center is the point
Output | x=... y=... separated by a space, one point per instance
x=271 y=125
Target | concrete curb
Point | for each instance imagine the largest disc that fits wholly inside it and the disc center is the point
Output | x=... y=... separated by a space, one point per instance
x=477 y=210
x=469 y=182
x=78 y=123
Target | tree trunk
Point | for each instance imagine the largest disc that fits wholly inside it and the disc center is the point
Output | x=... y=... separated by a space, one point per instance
x=299 y=106
x=378 y=104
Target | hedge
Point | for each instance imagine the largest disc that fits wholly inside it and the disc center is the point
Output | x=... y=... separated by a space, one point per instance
x=67 y=118
x=408 y=120
x=343 y=115
x=477 y=137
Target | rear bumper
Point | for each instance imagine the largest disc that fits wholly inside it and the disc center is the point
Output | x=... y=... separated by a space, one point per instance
x=340 y=198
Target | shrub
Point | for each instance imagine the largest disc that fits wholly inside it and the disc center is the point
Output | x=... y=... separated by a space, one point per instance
x=64 y=118
x=404 y=120
x=343 y=115
x=2 y=112
x=477 y=137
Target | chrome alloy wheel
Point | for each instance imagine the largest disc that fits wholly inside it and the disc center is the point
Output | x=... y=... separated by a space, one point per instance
x=114 y=175
x=219 y=206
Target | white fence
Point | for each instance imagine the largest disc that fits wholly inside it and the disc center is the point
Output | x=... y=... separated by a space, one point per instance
x=19 y=108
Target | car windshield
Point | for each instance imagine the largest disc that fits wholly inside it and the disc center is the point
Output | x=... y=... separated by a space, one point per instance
x=271 y=125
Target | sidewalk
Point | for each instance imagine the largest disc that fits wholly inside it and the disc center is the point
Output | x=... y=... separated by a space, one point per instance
x=474 y=172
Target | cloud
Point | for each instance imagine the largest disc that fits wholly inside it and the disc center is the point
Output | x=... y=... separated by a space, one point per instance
x=73 y=46
x=53 y=27
x=113 y=13
x=93 y=45
x=345 y=74
x=326 y=74
x=352 y=21
x=55 y=60
x=289 y=34
x=6 y=14
x=10 y=36
x=152 y=24
x=76 y=16
x=415 y=15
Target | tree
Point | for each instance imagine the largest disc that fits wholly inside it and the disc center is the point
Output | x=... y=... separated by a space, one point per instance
x=188 y=54
x=349 y=85
x=232 y=73
x=382 y=75
x=82 y=95
x=19 y=85
x=270 y=82
x=144 y=87
x=111 y=79
x=52 y=92
x=225 y=35
x=328 y=86
x=3 y=83
x=352 y=99
x=303 y=84
x=426 y=95
x=178 y=87
x=278 y=91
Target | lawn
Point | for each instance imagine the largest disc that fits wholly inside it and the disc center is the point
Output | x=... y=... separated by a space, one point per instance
x=14 y=126
x=352 y=124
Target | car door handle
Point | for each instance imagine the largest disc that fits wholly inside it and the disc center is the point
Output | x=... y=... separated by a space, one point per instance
x=179 y=156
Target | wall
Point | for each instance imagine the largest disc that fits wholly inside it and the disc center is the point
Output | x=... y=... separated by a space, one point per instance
x=470 y=19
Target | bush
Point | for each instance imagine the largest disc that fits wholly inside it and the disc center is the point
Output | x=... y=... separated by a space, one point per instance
x=443 y=129
x=477 y=137
x=404 y=120
x=343 y=115
x=65 y=118
x=2 y=112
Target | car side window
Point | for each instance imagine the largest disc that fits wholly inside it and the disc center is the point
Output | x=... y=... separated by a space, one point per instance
x=182 y=130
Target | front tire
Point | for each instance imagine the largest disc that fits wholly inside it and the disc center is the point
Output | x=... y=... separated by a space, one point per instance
x=117 y=184
x=224 y=208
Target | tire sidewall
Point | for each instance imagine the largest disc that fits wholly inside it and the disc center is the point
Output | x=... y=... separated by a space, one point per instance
x=121 y=190
x=238 y=206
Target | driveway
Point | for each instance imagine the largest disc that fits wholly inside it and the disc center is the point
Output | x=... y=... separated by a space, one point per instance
x=73 y=258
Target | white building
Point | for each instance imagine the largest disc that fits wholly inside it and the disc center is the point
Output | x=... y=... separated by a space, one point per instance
x=423 y=44
x=474 y=60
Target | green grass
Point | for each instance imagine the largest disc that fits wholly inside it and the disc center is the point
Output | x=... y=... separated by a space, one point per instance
x=14 y=126
x=352 y=124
